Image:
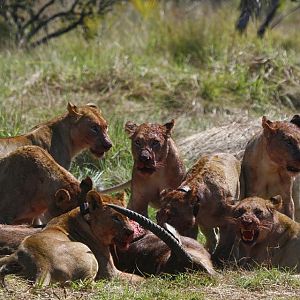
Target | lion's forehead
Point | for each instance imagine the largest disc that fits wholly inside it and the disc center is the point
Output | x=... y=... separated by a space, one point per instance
x=289 y=130
x=92 y=115
x=174 y=198
x=252 y=203
x=150 y=131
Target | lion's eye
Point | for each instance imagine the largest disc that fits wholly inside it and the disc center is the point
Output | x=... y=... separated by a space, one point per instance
x=116 y=219
x=155 y=144
x=95 y=129
x=238 y=213
x=137 y=143
x=258 y=212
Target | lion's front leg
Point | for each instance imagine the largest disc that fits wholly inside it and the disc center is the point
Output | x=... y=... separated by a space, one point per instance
x=225 y=248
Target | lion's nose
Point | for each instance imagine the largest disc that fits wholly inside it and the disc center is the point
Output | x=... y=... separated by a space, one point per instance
x=247 y=221
x=145 y=156
x=107 y=144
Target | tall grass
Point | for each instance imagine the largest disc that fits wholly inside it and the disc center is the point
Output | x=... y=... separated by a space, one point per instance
x=176 y=62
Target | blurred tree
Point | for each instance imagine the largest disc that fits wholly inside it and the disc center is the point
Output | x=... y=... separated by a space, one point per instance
x=34 y=22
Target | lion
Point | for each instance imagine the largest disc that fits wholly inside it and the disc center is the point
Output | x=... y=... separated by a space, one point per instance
x=154 y=250
x=271 y=161
x=83 y=127
x=204 y=199
x=74 y=246
x=157 y=164
x=266 y=236
x=33 y=183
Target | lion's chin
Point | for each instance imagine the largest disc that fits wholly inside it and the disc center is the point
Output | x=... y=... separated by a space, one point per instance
x=146 y=171
x=97 y=153
x=249 y=236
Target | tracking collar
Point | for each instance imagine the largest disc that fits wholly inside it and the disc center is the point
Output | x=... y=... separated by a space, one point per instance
x=84 y=208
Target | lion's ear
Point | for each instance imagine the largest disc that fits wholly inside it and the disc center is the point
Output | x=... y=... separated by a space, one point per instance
x=296 y=120
x=268 y=126
x=94 y=200
x=277 y=202
x=122 y=198
x=169 y=126
x=130 y=128
x=86 y=184
x=62 y=198
x=73 y=110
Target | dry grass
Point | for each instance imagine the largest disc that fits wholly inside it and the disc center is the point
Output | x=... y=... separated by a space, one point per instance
x=229 y=284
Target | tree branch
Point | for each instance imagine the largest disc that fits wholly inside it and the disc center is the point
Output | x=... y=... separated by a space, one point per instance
x=57 y=33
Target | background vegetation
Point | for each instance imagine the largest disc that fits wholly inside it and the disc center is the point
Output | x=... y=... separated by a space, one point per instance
x=150 y=61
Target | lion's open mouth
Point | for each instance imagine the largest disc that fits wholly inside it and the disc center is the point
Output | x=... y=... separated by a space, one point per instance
x=249 y=236
x=293 y=169
x=97 y=153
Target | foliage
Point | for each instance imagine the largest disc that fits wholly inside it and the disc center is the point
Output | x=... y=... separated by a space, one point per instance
x=33 y=23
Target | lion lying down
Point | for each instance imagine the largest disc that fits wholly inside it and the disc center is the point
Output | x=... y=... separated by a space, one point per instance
x=74 y=245
x=266 y=235
x=32 y=183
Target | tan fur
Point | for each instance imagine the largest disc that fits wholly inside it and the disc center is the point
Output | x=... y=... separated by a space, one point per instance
x=32 y=183
x=11 y=236
x=271 y=161
x=157 y=164
x=65 y=136
x=267 y=236
x=74 y=246
x=203 y=199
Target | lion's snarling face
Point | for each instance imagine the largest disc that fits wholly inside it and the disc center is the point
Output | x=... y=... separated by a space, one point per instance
x=178 y=208
x=283 y=143
x=149 y=145
x=90 y=129
x=109 y=226
x=254 y=218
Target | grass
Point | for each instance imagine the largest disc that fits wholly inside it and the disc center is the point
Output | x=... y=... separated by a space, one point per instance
x=177 y=62
x=233 y=284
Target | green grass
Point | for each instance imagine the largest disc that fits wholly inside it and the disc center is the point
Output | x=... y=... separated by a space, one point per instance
x=265 y=278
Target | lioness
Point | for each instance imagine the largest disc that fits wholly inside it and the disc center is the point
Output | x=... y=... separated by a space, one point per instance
x=271 y=161
x=266 y=235
x=65 y=136
x=74 y=245
x=157 y=164
x=204 y=198
x=32 y=183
